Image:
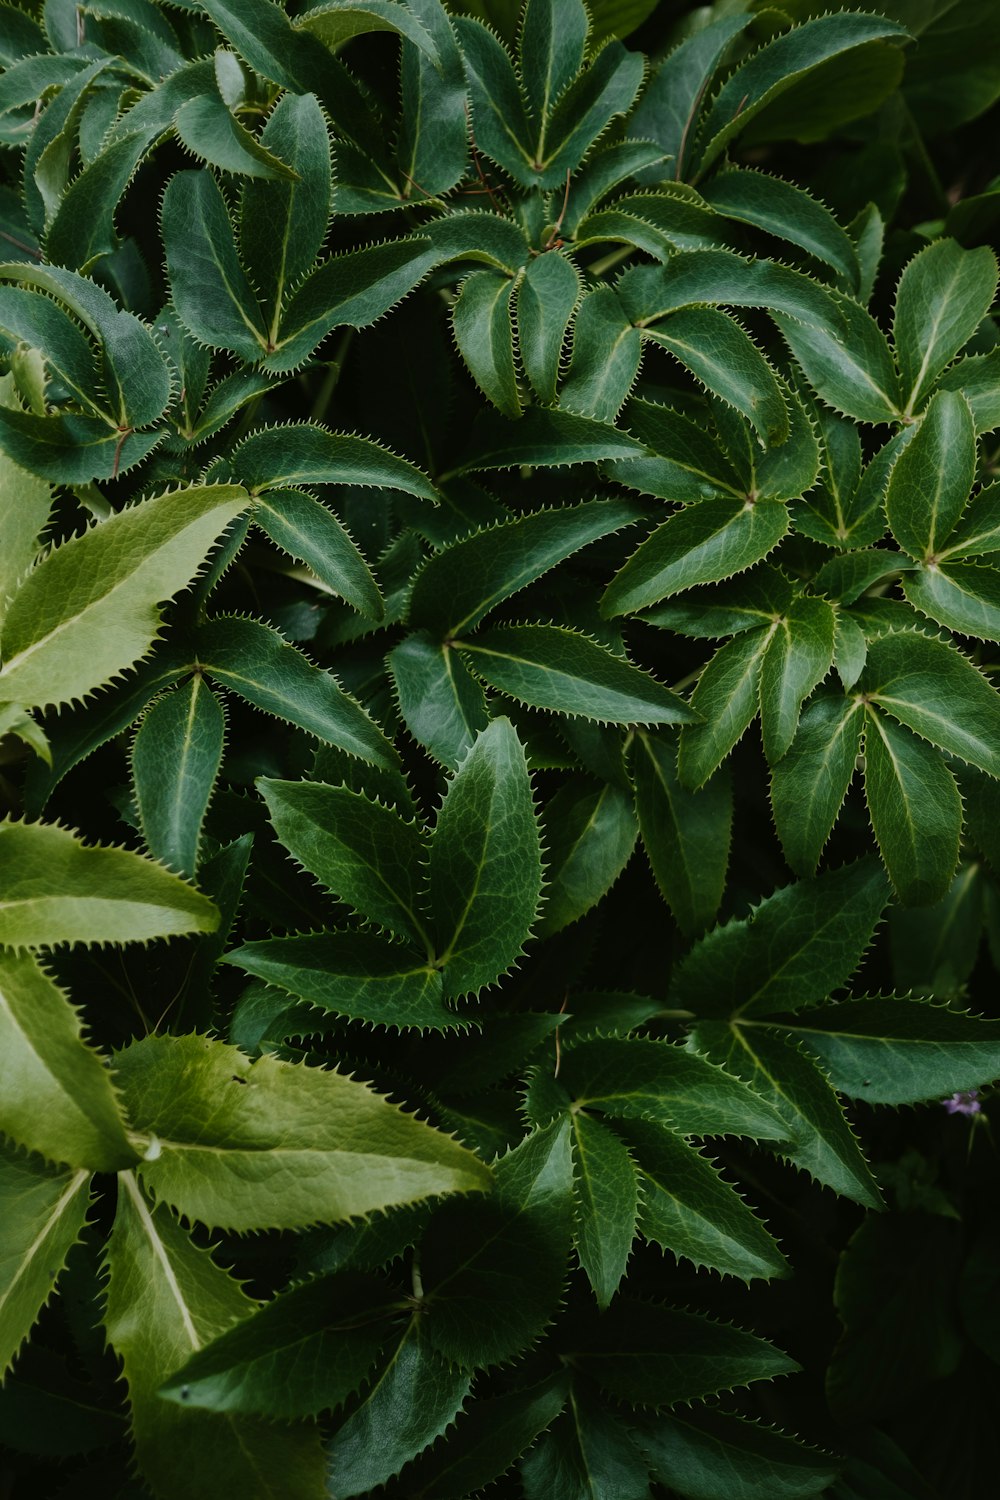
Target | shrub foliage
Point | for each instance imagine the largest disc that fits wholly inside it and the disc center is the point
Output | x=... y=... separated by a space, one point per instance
x=499 y=601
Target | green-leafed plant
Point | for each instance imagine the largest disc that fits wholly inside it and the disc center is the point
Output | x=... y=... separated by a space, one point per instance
x=498 y=607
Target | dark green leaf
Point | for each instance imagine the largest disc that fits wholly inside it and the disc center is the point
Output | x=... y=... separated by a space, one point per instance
x=542 y=437
x=277 y=458
x=943 y=295
x=931 y=479
x=685 y=834
x=442 y=704
x=176 y=756
x=546 y=299
x=797 y=946
x=850 y=368
x=43 y=1215
x=713 y=1455
x=809 y=783
x=588 y=1455
x=798 y=657
x=727 y=698
x=482 y=323
x=486 y=1441
x=607 y=352
x=590 y=833
x=311 y=533
x=211 y=293
x=607 y=1203
x=728 y=363
x=781 y=209
x=962 y=596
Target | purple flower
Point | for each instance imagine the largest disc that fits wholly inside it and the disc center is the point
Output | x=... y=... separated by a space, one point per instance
x=965 y=1102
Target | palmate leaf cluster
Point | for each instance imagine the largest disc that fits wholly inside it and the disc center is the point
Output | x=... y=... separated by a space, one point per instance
x=498 y=602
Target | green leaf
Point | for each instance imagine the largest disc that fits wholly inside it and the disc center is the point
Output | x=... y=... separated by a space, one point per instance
x=978 y=532
x=606 y=90
x=413 y=1398
x=900 y=1051
x=209 y=287
x=728 y=363
x=727 y=698
x=442 y=704
x=303 y=1353
x=486 y=1441
x=976 y=377
x=850 y=368
x=43 y=1213
x=510 y=1251
x=309 y=531
x=685 y=834
x=350 y=290
x=709 y=1454
x=809 y=783
x=607 y=352
x=934 y=950
x=499 y=116
x=944 y=293
x=211 y=132
x=669 y=107
x=915 y=808
x=639 y=1079
x=607 y=1203
x=258 y=664
x=542 y=437
x=654 y=1356
x=546 y=299
x=477 y=235
x=551 y=49
x=590 y=833
x=964 y=597
x=433 y=149
x=58 y=1095
x=485 y=862
x=700 y=544
x=363 y=852
x=248 y=1145
x=931 y=479
x=588 y=1455
x=337 y=21
x=797 y=946
x=166 y=1299
x=778 y=66
x=690 y=1210
x=279 y=458
x=931 y=688
x=176 y=756
x=21 y=523
x=459 y=585
x=798 y=657
x=82 y=230
x=689 y=465
x=90 y=608
x=358 y=975
x=482 y=322
x=56 y=889
x=782 y=209
x=31 y=318
x=548 y=666
x=298 y=208
x=779 y=1069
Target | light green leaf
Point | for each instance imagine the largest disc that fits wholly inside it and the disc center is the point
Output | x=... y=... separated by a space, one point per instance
x=413 y=1398
x=548 y=666
x=166 y=1299
x=798 y=657
x=309 y=531
x=931 y=688
x=260 y=665
x=305 y=1352
x=715 y=1455
x=91 y=608
x=820 y=1140
x=900 y=1051
x=42 y=1212
x=247 y=1145
x=690 y=1210
x=809 y=783
x=685 y=834
x=796 y=947
x=56 y=889
x=358 y=975
x=607 y=352
x=546 y=298
x=24 y=511
x=485 y=862
x=363 y=852
x=604 y=1183
x=639 y=1079
x=176 y=756
x=459 y=586
x=728 y=363
x=727 y=698
x=943 y=295
x=915 y=808
x=655 y=1356
x=482 y=323
x=590 y=833
x=931 y=479
x=700 y=544
x=442 y=704
x=57 y=1093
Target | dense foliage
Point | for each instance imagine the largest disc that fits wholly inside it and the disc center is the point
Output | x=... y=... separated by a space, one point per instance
x=501 y=750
